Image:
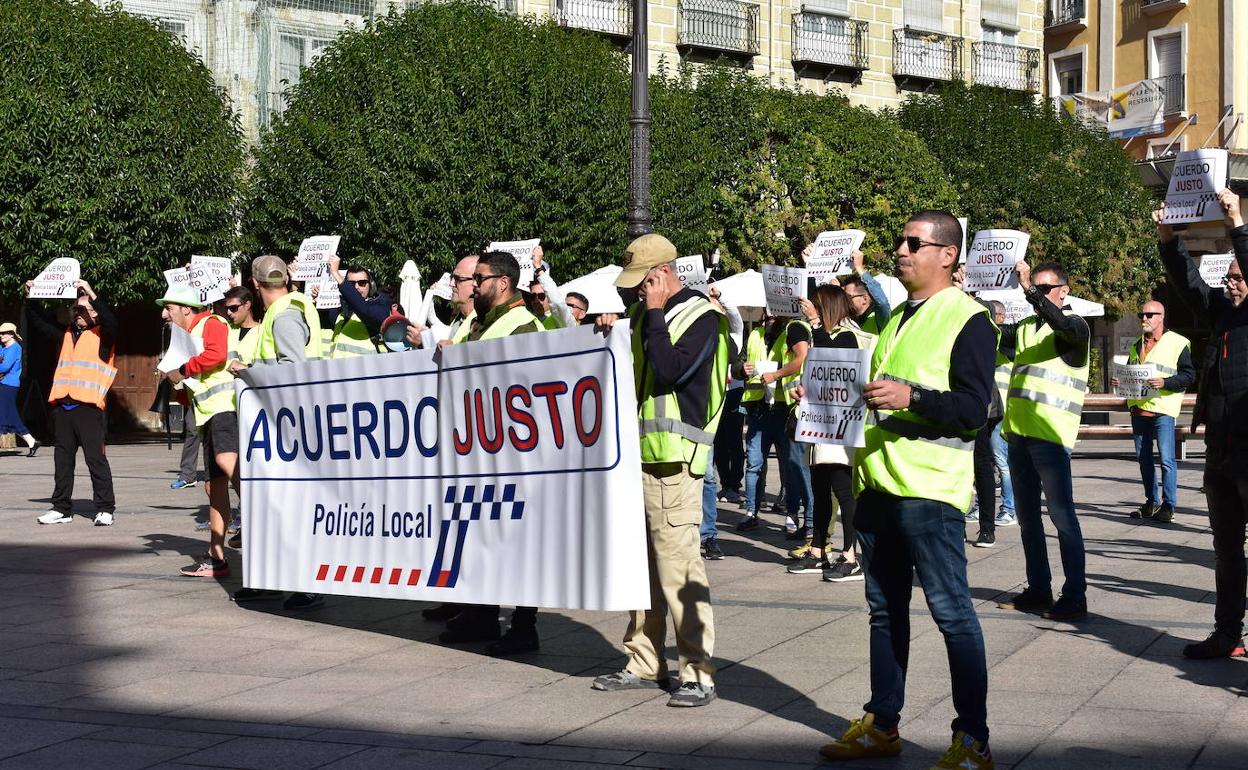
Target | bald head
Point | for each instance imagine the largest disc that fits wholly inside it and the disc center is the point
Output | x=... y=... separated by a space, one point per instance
x=461 y=284
x=1153 y=318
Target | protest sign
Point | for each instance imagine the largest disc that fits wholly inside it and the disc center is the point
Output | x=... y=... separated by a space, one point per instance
x=1213 y=268
x=833 y=410
x=1197 y=178
x=1133 y=380
x=991 y=260
x=962 y=251
x=178 y=276
x=210 y=276
x=314 y=253
x=834 y=252
x=395 y=477
x=57 y=281
x=523 y=252
x=1016 y=305
x=328 y=294
x=182 y=347
x=692 y=273
x=784 y=286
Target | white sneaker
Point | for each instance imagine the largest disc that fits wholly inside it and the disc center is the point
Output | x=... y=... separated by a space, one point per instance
x=103 y=519
x=790 y=526
x=55 y=517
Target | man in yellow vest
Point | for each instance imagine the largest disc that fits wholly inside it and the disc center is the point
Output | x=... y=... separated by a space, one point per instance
x=931 y=382
x=1042 y=411
x=766 y=412
x=210 y=388
x=1152 y=419
x=680 y=360
x=349 y=330
x=80 y=385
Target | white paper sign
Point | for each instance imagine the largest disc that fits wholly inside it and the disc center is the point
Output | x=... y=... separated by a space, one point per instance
x=1213 y=268
x=991 y=260
x=210 y=276
x=182 y=347
x=314 y=253
x=1016 y=305
x=962 y=252
x=692 y=273
x=57 y=280
x=328 y=294
x=178 y=276
x=1197 y=178
x=784 y=286
x=833 y=410
x=834 y=250
x=1133 y=380
x=393 y=477
x=523 y=252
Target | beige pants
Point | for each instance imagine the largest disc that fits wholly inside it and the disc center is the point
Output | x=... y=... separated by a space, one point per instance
x=677 y=579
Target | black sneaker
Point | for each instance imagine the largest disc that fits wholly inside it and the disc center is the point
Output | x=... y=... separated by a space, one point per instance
x=236 y=541
x=985 y=540
x=442 y=613
x=808 y=565
x=1164 y=514
x=844 y=572
x=1029 y=600
x=244 y=595
x=711 y=550
x=1217 y=645
x=748 y=523
x=1145 y=511
x=515 y=642
x=1066 y=608
x=301 y=601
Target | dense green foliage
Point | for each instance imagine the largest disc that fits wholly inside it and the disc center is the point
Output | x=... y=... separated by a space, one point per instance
x=1017 y=163
x=117 y=149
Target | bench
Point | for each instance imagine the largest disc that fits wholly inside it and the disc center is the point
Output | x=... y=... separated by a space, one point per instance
x=1108 y=402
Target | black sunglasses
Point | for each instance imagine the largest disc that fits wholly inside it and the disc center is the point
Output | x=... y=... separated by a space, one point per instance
x=914 y=243
x=479 y=279
x=1045 y=288
x=460 y=278
x=232 y=308
x=362 y=283
x=1142 y=316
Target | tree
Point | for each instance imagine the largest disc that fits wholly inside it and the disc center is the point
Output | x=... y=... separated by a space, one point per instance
x=117 y=149
x=1017 y=163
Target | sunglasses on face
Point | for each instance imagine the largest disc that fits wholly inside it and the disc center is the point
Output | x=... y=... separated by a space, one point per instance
x=577 y=308
x=479 y=279
x=361 y=284
x=232 y=308
x=1142 y=316
x=914 y=243
x=539 y=297
x=1045 y=288
x=460 y=278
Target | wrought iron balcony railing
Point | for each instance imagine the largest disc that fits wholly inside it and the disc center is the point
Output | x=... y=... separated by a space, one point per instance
x=1064 y=12
x=926 y=55
x=729 y=26
x=1006 y=66
x=1174 y=87
x=829 y=40
x=610 y=17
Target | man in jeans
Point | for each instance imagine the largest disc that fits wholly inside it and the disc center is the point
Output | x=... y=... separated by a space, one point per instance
x=1000 y=450
x=765 y=418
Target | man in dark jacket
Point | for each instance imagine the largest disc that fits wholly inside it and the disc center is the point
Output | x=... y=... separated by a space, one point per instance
x=1222 y=404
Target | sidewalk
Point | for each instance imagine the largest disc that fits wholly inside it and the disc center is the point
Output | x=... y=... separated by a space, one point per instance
x=109 y=659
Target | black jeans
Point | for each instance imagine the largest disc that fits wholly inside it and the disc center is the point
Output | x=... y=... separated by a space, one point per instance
x=1226 y=489
x=729 y=442
x=827 y=480
x=82 y=427
x=985 y=477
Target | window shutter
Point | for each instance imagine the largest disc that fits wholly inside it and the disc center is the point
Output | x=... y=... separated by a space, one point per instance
x=833 y=6
x=925 y=14
x=1000 y=13
x=1169 y=51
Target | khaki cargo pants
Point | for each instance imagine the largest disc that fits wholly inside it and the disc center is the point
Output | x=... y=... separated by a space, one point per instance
x=678 y=583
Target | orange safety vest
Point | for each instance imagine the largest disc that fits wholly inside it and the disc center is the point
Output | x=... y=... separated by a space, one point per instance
x=80 y=374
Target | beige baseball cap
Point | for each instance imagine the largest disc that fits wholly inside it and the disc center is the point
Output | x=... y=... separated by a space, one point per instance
x=11 y=329
x=650 y=250
x=269 y=269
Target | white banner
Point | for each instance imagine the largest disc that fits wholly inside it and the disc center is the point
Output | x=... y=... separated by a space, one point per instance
x=210 y=276
x=1213 y=268
x=523 y=252
x=507 y=474
x=834 y=254
x=1135 y=109
x=692 y=273
x=784 y=286
x=57 y=280
x=1133 y=380
x=833 y=410
x=1197 y=178
x=328 y=293
x=1016 y=305
x=314 y=254
x=991 y=260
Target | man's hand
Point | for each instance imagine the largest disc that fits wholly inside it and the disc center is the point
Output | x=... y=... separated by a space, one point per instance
x=174 y=377
x=605 y=322
x=445 y=343
x=29 y=285
x=413 y=335
x=333 y=262
x=1024 y=274
x=1229 y=202
x=315 y=290
x=748 y=368
x=806 y=252
x=1165 y=233
x=538 y=255
x=236 y=367
x=799 y=391
x=1157 y=382
x=86 y=287
x=959 y=276
x=1114 y=382
x=656 y=291
x=887 y=394
x=860 y=262
x=768 y=377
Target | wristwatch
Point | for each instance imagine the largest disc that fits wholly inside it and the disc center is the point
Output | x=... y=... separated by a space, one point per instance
x=916 y=396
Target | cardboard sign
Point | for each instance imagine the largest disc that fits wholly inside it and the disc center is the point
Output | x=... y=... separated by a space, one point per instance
x=1133 y=380
x=692 y=273
x=991 y=260
x=833 y=410
x=314 y=253
x=784 y=286
x=523 y=252
x=328 y=294
x=57 y=280
x=1194 y=185
x=1213 y=268
x=834 y=250
x=210 y=276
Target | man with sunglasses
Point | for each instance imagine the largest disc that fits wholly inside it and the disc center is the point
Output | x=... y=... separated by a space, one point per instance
x=1042 y=414
x=866 y=296
x=931 y=383
x=349 y=330
x=547 y=301
x=1152 y=419
x=1221 y=404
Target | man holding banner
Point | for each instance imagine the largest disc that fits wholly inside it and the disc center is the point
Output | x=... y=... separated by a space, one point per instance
x=932 y=379
x=680 y=357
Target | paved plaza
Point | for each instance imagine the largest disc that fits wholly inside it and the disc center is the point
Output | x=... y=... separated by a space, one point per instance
x=110 y=659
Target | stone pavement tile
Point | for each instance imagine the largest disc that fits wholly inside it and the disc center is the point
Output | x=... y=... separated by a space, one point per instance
x=84 y=752
x=1228 y=746
x=927 y=738
x=782 y=761
x=52 y=655
x=14 y=673
x=276 y=662
x=413 y=759
x=569 y=704
x=118 y=671
x=1167 y=693
x=160 y=737
x=769 y=669
x=1043 y=711
x=285 y=700
x=1119 y=738
x=546 y=751
x=25 y=735
x=391 y=740
x=235 y=729
x=431 y=701
x=271 y=754
x=769 y=737
x=15 y=691
x=168 y=692
x=83 y=716
x=600 y=642
x=536 y=669
x=523 y=763
x=16 y=640
x=1022 y=675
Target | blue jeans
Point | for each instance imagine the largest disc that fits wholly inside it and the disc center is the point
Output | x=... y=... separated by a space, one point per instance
x=1161 y=428
x=902 y=536
x=710 y=498
x=764 y=428
x=1001 y=455
x=1037 y=465
x=798 y=492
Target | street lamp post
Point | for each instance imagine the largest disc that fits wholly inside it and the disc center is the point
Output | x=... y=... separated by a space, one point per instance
x=639 y=128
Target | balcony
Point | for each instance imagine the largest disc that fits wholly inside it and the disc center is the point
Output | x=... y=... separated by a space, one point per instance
x=1161 y=6
x=926 y=56
x=1066 y=16
x=1173 y=87
x=724 y=26
x=610 y=17
x=829 y=41
x=1006 y=66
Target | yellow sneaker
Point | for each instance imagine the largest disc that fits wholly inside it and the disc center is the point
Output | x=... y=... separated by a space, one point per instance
x=797 y=553
x=965 y=753
x=863 y=741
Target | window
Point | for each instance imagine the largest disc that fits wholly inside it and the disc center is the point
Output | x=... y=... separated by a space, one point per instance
x=1069 y=72
x=823 y=24
x=1167 y=55
x=1000 y=35
x=924 y=14
x=826 y=6
x=1002 y=14
x=175 y=28
x=294 y=53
